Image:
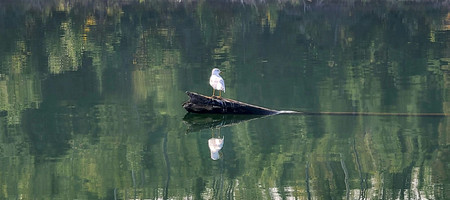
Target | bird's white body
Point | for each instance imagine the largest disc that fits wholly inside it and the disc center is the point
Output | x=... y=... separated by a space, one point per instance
x=216 y=81
x=215 y=145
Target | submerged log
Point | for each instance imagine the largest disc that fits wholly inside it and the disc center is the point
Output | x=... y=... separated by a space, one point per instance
x=198 y=103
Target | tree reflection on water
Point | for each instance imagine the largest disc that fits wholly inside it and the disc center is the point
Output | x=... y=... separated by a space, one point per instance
x=91 y=93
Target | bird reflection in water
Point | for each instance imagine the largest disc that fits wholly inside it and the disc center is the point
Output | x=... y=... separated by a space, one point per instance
x=215 y=145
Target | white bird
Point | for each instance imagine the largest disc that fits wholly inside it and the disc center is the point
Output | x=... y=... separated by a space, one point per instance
x=215 y=145
x=216 y=82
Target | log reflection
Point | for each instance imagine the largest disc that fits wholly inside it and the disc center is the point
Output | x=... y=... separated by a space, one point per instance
x=198 y=122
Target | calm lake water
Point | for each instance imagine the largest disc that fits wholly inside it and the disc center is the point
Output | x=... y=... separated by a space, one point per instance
x=91 y=94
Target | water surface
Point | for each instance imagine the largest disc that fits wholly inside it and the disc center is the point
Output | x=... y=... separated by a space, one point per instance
x=91 y=94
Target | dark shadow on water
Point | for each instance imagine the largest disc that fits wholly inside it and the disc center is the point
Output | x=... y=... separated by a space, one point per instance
x=198 y=122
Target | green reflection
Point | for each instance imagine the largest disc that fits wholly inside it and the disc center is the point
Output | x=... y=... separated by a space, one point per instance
x=91 y=94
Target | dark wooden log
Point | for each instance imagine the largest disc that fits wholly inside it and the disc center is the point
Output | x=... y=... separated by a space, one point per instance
x=198 y=103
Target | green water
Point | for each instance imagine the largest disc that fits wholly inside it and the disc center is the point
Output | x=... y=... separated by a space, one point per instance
x=91 y=94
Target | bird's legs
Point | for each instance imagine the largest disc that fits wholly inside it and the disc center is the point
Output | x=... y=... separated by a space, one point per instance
x=220 y=93
x=213 y=92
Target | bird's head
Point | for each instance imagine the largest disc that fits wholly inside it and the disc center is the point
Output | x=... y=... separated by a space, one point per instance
x=215 y=71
